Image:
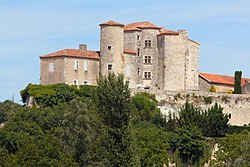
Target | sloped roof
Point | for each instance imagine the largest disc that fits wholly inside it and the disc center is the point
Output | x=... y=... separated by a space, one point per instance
x=221 y=79
x=168 y=32
x=129 y=51
x=140 y=25
x=73 y=53
x=111 y=23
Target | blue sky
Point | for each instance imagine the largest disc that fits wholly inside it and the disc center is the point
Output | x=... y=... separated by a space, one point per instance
x=29 y=29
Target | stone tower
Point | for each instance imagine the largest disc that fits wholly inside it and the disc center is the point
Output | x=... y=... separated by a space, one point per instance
x=111 y=48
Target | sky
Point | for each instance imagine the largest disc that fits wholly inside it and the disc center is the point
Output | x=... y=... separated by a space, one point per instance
x=31 y=28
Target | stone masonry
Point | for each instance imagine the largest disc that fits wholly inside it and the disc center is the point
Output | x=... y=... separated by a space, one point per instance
x=149 y=56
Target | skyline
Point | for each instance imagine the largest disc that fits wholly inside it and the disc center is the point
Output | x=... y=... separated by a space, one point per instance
x=30 y=29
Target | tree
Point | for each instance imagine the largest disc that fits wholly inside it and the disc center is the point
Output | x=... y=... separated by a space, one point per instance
x=233 y=150
x=144 y=108
x=191 y=145
x=237 y=82
x=216 y=122
x=113 y=105
x=152 y=144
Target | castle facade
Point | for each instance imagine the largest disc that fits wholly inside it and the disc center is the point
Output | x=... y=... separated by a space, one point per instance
x=149 y=56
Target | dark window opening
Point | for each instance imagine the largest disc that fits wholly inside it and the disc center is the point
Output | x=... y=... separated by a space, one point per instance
x=138 y=37
x=147 y=75
x=138 y=52
x=109 y=47
x=147 y=60
x=148 y=43
x=110 y=67
x=138 y=71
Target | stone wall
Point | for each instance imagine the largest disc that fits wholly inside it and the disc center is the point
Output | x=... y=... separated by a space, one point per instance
x=192 y=66
x=57 y=73
x=111 y=36
x=88 y=76
x=205 y=86
x=174 y=63
x=238 y=106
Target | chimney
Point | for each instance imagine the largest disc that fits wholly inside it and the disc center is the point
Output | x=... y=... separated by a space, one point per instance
x=183 y=33
x=83 y=47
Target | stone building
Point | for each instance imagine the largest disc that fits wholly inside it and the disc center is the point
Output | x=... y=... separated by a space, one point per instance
x=222 y=83
x=149 y=56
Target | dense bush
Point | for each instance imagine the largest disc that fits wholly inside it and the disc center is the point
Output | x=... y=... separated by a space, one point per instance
x=50 y=95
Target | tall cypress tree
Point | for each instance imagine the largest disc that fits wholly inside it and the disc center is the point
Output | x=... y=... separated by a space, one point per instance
x=237 y=82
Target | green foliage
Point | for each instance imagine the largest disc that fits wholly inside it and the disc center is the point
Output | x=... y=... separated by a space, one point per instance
x=51 y=95
x=234 y=150
x=190 y=115
x=6 y=109
x=237 y=129
x=237 y=82
x=152 y=145
x=212 y=122
x=191 y=145
x=208 y=100
x=113 y=105
x=25 y=142
x=213 y=89
x=144 y=108
x=216 y=123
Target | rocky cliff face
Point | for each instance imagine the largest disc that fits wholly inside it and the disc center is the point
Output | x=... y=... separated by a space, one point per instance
x=237 y=106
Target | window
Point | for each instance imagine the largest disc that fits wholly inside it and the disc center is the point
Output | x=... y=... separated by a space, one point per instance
x=138 y=52
x=148 y=43
x=138 y=37
x=51 y=67
x=110 y=67
x=109 y=47
x=85 y=66
x=147 y=60
x=76 y=65
x=147 y=75
x=138 y=71
x=85 y=82
x=75 y=82
x=127 y=71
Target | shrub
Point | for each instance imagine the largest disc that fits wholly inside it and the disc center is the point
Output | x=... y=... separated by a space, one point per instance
x=225 y=99
x=208 y=100
x=213 y=89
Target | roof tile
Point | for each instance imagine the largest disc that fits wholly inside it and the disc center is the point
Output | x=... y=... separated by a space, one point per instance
x=129 y=51
x=140 y=25
x=222 y=79
x=111 y=23
x=73 y=53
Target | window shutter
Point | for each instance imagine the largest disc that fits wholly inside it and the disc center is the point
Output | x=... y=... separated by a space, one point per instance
x=76 y=65
x=51 y=67
x=127 y=71
x=85 y=66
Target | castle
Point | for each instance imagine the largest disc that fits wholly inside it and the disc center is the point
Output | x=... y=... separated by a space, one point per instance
x=149 y=56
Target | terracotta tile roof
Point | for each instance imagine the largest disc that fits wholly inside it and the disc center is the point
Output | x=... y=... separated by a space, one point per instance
x=221 y=79
x=168 y=32
x=111 y=23
x=140 y=25
x=129 y=51
x=73 y=53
